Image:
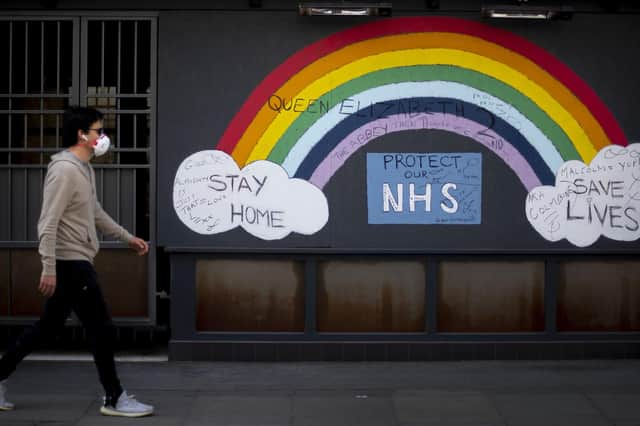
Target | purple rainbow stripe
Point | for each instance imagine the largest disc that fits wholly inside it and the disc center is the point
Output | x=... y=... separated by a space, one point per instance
x=439 y=121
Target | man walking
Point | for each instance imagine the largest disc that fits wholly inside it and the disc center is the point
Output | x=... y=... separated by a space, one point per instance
x=68 y=243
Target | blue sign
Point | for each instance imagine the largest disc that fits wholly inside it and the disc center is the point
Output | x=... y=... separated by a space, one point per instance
x=424 y=188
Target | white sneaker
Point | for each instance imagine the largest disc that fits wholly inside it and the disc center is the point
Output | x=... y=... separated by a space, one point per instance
x=127 y=406
x=4 y=404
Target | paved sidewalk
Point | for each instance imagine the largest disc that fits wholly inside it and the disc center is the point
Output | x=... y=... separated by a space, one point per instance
x=487 y=393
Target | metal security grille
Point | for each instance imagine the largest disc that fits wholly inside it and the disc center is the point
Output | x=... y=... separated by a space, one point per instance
x=116 y=56
x=36 y=84
x=48 y=64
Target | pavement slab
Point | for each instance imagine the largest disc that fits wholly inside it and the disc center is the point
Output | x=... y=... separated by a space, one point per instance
x=463 y=393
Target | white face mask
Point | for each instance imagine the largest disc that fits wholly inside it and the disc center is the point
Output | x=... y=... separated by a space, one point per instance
x=101 y=145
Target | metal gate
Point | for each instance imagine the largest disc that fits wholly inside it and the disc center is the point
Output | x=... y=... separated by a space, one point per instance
x=51 y=62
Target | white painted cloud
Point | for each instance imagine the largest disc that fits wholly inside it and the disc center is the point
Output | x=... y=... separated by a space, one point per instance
x=212 y=195
x=602 y=198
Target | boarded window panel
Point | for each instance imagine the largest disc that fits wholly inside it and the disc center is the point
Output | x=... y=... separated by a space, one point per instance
x=123 y=278
x=491 y=297
x=371 y=296
x=121 y=274
x=248 y=295
x=25 y=278
x=599 y=296
x=4 y=282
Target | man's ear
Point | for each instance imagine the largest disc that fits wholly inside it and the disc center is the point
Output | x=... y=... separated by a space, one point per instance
x=81 y=135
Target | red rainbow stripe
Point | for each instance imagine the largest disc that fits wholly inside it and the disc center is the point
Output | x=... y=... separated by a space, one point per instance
x=317 y=50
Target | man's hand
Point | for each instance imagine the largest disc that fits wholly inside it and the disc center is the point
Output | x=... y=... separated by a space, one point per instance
x=139 y=245
x=47 y=285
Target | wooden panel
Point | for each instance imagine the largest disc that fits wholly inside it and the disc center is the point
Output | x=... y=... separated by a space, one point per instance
x=599 y=296
x=121 y=274
x=250 y=295
x=371 y=296
x=124 y=280
x=490 y=296
x=25 y=278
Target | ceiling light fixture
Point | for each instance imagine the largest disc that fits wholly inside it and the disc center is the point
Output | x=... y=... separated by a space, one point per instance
x=344 y=9
x=527 y=12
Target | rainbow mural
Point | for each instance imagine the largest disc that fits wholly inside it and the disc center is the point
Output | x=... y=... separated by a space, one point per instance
x=333 y=97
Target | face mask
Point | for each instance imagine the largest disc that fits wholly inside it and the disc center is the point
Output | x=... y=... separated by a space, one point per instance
x=101 y=145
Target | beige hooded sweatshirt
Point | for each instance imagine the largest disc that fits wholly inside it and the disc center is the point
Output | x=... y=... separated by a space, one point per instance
x=71 y=212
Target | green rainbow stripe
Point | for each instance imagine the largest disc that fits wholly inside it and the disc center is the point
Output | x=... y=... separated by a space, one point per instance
x=421 y=73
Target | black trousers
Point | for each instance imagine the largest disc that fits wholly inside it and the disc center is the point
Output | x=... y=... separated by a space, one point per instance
x=77 y=289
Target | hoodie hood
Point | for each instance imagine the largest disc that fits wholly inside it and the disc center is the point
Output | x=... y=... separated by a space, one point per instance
x=69 y=156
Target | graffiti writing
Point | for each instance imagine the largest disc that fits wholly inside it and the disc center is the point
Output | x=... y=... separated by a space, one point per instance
x=211 y=194
x=602 y=198
x=311 y=106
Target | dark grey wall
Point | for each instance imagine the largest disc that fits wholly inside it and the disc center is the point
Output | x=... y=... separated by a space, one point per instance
x=209 y=62
x=586 y=6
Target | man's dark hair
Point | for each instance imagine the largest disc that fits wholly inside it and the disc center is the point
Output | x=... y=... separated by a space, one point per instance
x=77 y=118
